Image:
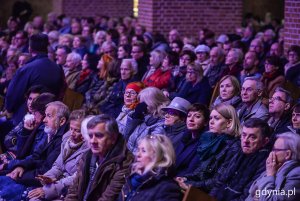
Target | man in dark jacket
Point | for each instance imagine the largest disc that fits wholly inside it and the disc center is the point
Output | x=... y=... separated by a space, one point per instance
x=235 y=179
x=139 y=54
x=103 y=169
x=42 y=159
x=35 y=72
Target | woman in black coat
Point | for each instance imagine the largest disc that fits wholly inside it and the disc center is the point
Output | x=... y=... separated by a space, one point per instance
x=151 y=179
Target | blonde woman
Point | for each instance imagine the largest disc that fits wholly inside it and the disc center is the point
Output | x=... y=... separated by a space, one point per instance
x=147 y=117
x=219 y=142
x=150 y=178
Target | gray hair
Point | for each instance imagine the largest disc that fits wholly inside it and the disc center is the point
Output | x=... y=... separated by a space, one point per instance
x=287 y=94
x=291 y=142
x=54 y=35
x=111 y=126
x=133 y=65
x=238 y=54
x=84 y=128
x=62 y=110
x=259 y=84
x=75 y=57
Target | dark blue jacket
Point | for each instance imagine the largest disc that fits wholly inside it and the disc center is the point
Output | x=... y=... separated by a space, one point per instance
x=186 y=152
x=38 y=71
x=200 y=93
x=155 y=187
x=41 y=160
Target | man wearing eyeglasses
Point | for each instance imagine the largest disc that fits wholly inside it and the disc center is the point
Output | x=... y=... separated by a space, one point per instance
x=279 y=106
x=252 y=106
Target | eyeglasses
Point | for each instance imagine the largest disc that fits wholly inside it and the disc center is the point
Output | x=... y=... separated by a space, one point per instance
x=130 y=93
x=277 y=98
x=185 y=59
x=276 y=150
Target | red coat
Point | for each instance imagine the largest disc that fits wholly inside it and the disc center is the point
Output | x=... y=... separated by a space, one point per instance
x=159 y=79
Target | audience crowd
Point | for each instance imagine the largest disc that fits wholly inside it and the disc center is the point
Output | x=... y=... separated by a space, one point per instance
x=159 y=116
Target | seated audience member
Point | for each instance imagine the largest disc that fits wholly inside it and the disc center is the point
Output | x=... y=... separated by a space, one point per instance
x=179 y=73
x=25 y=139
x=291 y=69
x=279 y=110
x=213 y=148
x=234 y=179
x=202 y=52
x=282 y=171
x=156 y=59
x=162 y=75
x=25 y=171
x=87 y=73
x=233 y=62
x=79 y=45
x=197 y=120
x=257 y=46
x=272 y=77
x=151 y=177
x=130 y=102
x=101 y=170
x=113 y=102
x=61 y=175
x=176 y=46
x=103 y=84
x=175 y=119
x=194 y=88
x=147 y=118
x=295 y=127
x=216 y=66
x=7 y=125
x=250 y=67
x=252 y=106
x=139 y=54
x=277 y=50
x=73 y=69
x=229 y=90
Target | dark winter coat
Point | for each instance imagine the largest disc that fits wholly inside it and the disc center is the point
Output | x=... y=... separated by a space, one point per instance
x=35 y=72
x=160 y=187
x=199 y=93
x=109 y=176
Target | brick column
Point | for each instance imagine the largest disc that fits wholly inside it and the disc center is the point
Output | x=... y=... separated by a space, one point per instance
x=291 y=23
x=111 y=8
x=188 y=16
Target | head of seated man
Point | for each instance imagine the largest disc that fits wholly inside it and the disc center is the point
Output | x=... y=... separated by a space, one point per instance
x=255 y=135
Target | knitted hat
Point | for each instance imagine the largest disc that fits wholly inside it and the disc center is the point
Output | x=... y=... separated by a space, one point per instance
x=136 y=86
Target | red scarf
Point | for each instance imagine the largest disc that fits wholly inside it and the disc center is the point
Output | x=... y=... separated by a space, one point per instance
x=84 y=74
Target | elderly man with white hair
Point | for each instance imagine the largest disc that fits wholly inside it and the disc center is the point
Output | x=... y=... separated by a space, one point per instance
x=252 y=106
x=72 y=69
x=282 y=171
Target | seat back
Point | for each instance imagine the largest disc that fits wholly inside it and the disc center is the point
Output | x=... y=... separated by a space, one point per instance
x=195 y=194
x=73 y=99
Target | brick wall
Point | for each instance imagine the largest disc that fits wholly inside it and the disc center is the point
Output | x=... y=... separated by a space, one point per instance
x=112 y=8
x=292 y=23
x=188 y=16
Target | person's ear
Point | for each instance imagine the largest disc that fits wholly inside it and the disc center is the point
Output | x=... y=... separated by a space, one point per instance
x=288 y=154
x=62 y=121
x=229 y=123
x=266 y=141
x=259 y=93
